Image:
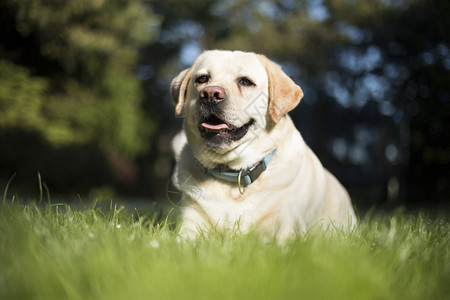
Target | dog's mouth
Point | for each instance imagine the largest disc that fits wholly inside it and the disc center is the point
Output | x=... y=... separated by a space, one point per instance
x=216 y=131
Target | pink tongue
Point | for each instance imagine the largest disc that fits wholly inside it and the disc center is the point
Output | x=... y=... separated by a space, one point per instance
x=215 y=127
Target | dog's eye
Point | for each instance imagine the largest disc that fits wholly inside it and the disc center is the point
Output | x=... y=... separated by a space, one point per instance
x=245 y=81
x=202 y=79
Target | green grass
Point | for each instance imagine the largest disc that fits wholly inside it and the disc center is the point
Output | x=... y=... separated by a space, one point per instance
x=59 y=252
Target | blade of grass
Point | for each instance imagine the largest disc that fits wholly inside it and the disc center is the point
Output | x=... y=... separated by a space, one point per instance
x=5 y=193
x=40 y=187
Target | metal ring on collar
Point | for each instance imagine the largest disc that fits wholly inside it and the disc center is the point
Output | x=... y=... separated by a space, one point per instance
x=241 y=188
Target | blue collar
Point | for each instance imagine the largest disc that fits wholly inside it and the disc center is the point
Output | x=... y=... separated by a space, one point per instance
x=243 y=177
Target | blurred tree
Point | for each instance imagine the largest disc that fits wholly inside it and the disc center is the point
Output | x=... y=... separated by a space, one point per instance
x=400 y=51
x=67 y=72
x=21 y=97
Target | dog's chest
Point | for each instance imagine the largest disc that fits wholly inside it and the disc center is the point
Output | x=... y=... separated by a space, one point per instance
x=227 y=208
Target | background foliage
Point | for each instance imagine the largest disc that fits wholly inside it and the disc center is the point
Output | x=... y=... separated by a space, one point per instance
x=70 y=104
x=84 y=88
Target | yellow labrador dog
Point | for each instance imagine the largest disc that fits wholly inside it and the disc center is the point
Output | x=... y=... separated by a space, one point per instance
x=241 y=163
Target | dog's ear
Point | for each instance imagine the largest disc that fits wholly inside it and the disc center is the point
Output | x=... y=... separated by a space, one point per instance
x=284 y=94
x=178 y=89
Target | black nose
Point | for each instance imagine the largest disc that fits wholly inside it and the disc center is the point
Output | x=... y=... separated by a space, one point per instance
x=212 y=94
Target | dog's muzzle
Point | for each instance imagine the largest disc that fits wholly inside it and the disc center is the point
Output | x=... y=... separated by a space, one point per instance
x=214 y=128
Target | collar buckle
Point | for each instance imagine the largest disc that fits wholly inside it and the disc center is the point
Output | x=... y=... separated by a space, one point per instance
x=255 y=171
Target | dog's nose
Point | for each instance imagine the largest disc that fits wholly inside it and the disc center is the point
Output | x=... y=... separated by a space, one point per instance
x=212 y=94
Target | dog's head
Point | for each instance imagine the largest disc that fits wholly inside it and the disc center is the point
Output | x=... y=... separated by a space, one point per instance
x=231 y=99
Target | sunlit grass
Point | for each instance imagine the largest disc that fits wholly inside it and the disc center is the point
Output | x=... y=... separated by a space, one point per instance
x=59 y=252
